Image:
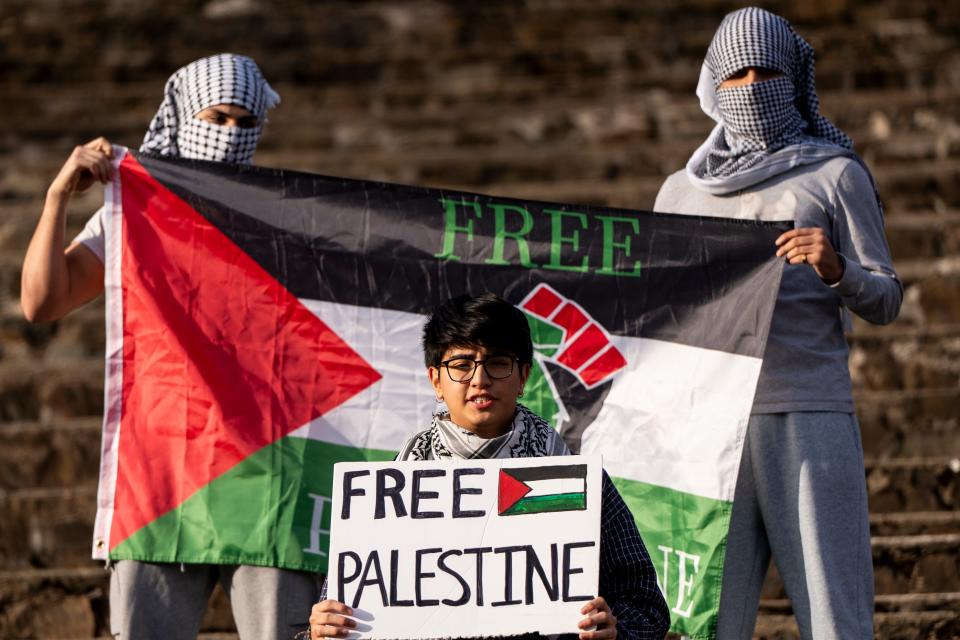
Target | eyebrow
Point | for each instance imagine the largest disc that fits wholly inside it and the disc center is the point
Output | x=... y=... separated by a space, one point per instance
x=461 y=354
x=472 y=354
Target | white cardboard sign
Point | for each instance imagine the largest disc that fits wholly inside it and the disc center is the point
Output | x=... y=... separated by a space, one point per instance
x=466 y=548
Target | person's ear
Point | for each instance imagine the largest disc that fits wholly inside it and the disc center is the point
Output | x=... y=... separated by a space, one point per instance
x=434 y=373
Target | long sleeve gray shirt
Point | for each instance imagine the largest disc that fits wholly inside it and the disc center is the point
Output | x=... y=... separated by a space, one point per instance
x=805 y=363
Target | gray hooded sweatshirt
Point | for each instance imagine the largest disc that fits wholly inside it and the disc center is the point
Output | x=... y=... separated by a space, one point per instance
x=805 y=362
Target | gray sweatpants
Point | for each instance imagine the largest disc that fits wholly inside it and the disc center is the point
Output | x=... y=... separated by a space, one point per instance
x=801 y=495
x=167 y=601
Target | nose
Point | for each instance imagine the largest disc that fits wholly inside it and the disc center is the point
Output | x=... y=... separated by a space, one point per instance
x=480 y=377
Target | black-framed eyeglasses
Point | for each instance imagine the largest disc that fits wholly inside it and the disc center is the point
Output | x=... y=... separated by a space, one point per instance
x=462 y=369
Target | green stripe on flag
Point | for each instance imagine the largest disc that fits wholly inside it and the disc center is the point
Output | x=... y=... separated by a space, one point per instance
x=686 y=537
x=544 y=504
x=248 y=509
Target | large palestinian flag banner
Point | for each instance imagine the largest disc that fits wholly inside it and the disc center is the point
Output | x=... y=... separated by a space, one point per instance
x=265 y=324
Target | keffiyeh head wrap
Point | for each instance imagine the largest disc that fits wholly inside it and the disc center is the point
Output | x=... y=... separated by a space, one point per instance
x=221 y=79
x=530 y=436
x=759 y=119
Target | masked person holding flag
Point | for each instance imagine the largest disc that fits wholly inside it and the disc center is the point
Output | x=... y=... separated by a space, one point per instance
x=213 y=109
x=800 y=492
x=478 y=353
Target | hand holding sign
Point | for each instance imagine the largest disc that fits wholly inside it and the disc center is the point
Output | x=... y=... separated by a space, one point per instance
x=600 y=622
x=328 y=619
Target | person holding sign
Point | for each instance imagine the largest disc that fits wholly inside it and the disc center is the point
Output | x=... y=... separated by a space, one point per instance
x=478 y=354
x=800 y=491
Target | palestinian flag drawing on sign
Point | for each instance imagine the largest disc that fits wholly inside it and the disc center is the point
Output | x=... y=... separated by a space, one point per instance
x=265 y=324
x=542 y=489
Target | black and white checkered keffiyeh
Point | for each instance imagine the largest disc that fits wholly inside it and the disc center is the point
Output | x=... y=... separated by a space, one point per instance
x=221 y=79
x=758 y=119
x=530 y=436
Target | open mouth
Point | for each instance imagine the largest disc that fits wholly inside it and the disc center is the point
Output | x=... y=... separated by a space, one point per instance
x=481 y=401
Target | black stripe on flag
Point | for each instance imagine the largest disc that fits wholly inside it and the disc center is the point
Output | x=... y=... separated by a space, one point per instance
x=374 y=244
x=529 y=474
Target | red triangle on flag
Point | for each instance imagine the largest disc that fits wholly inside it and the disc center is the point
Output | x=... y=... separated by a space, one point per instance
x=510 y=492
x=219 y=359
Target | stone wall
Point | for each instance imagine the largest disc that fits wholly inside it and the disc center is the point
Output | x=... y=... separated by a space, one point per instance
x=552 y=99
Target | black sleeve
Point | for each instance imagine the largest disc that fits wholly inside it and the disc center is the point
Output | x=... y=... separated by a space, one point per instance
x=628 y=580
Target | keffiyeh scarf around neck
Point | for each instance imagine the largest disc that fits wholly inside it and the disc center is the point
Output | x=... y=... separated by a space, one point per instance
x=766 y=127
x=221 y=79
x=529 y=437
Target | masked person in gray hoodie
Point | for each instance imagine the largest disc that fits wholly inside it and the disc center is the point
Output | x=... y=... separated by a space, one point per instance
x=800 y=491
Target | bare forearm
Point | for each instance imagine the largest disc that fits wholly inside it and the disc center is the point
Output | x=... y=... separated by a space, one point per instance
x=55 y=282
x=44 y=280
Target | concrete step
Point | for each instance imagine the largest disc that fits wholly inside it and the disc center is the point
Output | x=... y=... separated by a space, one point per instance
x=910 y=271
x=74 y=604
x=920 y=423
x=902 y=356
x=74 y=600
x=529 y=39
x=911 y=572
x=48 y=528
x=914 y=523
x=78 y=336
x=913 y=484
x=922 y=235
x=907 y=147
x=886 y=130
x=56 y=454
x=928 y=184
x=886 y=603
x=907 y=625
x=916 y=564
x=70 y=389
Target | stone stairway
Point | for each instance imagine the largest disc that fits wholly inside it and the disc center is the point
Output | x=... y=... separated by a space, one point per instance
x=549 y=99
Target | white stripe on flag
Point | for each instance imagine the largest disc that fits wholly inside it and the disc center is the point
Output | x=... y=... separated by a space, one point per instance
x=554 y=486
x=113 y=369
x=391 y=410
x=676 y=417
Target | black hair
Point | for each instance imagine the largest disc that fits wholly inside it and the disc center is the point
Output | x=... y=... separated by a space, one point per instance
x=485 y=320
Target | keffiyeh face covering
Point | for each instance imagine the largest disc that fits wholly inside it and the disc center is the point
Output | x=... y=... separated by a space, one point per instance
x=221 y=79
x=763 y=117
